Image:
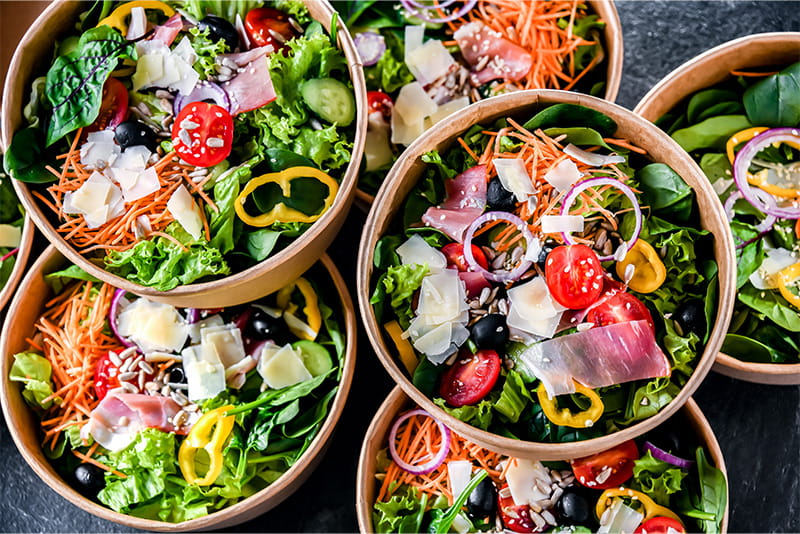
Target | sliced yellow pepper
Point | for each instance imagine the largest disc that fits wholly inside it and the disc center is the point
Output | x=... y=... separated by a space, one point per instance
x=564 y=416
x=281 y=212
x=407 y=354
x=649 y=271
x=759 y=179
x=311 y=308
x=651 y=509
x=786 y=277
x=739 y=138
x=209 y=433
x=117 y=17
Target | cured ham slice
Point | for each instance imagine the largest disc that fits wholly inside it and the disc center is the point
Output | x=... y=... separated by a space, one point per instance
x=465 y=202
x=167 y=32
x=251 y=88
x=507 y=60
x=598 y=357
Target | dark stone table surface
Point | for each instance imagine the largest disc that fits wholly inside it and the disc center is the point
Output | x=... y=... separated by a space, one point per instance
x=757 y=426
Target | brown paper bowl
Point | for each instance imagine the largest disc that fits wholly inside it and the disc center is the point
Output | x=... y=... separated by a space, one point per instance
x=269 y=275
x=707 y=69
x=21 y=263
x=23 y=423
x=523 y=105
x=612 y=35
x=378 y=435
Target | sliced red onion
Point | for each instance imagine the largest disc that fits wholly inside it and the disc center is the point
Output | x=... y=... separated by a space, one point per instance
x=113 y=310
x=202 y=91
x=431 y=464
x=745 y=156
x=11 y=253
x=664 y=456
x=502 y=276
x=422 y=11
x=192 y=315
x=768 y=200
x=578 y=188
x=370 y=46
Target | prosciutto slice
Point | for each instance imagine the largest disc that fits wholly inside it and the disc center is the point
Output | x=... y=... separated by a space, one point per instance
x=115 y=422
x=167 y=32
x=507 y=60
x=465 y=202
x=599 y=357
x=251 y=88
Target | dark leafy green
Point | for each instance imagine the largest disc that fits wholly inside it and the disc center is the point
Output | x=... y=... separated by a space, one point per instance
x=775 y=100
x=570 y=116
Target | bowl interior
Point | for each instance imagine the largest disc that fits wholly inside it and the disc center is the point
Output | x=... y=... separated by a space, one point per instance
x=23 y=425
x=265 y=277
x=20 y=264
x=523 y=105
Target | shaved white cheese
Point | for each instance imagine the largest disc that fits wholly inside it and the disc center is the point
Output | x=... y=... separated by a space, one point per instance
x=534 y=249
x=775 y=261
x=188 y=77
x=619 y=518
x=297 y=325
x=429 y=61
x=185 y=51
x=442 y=298
x=205 y=374
x=592 y=158
x=182 y=206
x=153 y=326
x=284 y=368
x=533 y=309
x=137 y=26
x=99 y=155
x=404 y=133
x=149 y=67
x=436 y=341
x=235 y=375
x=227 y=341
x=553 y=224
x=158 y=66
x=514 y=177
x=135 y=184
x=377 y=150
x=10 y=235
x=413 y=104
x=195 y=329
x=97 y=199
x=462 y=524
x=522 y=477
x=414 y=36
x=721 y=185
x=563 y=175
x=459 y=473
x=446 y=109
x=134 y=158
x=416 y=251
x=243 y=37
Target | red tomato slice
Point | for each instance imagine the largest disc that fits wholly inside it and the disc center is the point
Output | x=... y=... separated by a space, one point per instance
x=113 y=108
x=607 y=469
x=203 y=134
x=269 y=26
x=106 y=377
x=660 y=525
x=380 y=101
x=620 y=307
x=574 y=276
x=455 y=256
x=470 y=378
x=515 y=517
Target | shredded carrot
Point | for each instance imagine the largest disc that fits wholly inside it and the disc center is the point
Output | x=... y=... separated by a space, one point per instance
x=98 y=463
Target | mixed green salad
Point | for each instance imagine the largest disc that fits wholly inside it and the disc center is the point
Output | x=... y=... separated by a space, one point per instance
x=661 y=483
x=745 y=134
x=545 y=281
x=11 y=219
x=172 y=414
x=424 y=61
x=181 y=141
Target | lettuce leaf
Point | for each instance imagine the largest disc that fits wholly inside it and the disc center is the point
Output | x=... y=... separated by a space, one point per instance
x=478 y=415
x=401 y=513
x=390 y=73
x=35 y=372
x=227 y=9
x=397 y=285
x=514 y=397
x=657 y=478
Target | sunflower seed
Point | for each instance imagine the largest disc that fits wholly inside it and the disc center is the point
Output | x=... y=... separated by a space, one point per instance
x=165 y=391
x=146 y=367
x=535 y=507
x=474 y=304
x=130 y=388
x=141 y=380
x=277 y=36
x=601 y=240
x=489 y=252
x=516 y=255
x=296 y=25
x=177 y=385
x=180 y=418
x=165 y=105
x=485 y=292
x=114 y=357
x=191 y=407
x=543 y=487
x=179 y=398
x=160 y=93
x=502 y=306
x=547 y=516
x=608 y=248
x=539 y=520
x=151 y=387
x=144 y=109
x=557 y=493
x=499 y=260
x=127 y=376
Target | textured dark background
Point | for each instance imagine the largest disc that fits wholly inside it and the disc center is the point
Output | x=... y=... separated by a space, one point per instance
x=757 y=426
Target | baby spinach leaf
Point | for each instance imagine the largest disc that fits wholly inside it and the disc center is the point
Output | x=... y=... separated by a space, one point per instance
x=772 y=305
x=579 y=136
x=661 y=186
x=723 y=108
x=716 y=166
x=711 y=133
x=746 y=349
x=261 y=243
x=749 y=257
x=775 y=100
x=703 y=100
x=713 y=492
x=572 y=115
x=75 y=81
x=24 y=160
x=426 y=376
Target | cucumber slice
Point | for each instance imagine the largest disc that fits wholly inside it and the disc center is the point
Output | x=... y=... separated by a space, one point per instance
x=315 y=357
x=330 y=99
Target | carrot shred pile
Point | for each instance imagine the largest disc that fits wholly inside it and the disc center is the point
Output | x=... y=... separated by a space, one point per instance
x=418 y=439
x=124 y=231
x=533 y=25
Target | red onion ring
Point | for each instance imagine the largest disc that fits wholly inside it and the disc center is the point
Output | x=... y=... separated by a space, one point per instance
x=664 y=456
x=420 y=10
x=579 y=187
x=745 y=156
x=430 y=465
x=370 y=46
x=508 y=276
x=11 y=253
x=112 y=316
x=192 y=315
x=202 y=91
x=768 y=222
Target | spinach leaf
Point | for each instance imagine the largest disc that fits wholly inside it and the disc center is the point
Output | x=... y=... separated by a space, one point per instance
x=310 y=418
x=25 y=159
x=750 y=256
x=261 y=243
x=701 y=101
x=746 y=349
x=579 y=136
x=10 y=208
x=662 y=187
x=775 y=100
x=713 y=493
x=711 y=133
x=772 y=305
x=716 y=167
x=386 y=252
x=723 y=108
x=99 y=10
x=59 y=279
x=572 y=115
x=426 y=376
x=75 y=81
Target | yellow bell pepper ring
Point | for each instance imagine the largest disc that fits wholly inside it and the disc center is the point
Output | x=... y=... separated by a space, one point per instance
x=564 y=416
x=759 y=179
x=117 y=17
x=281 y=212
x=785 y=278
x=649 y=271
x=651 y=509
x=404 y=348
x=311 y=308
x=209 y=433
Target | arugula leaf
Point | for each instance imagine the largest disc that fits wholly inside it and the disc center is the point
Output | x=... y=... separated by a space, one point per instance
x=775 y=100
x=750 y=256
x=75 y=81
x=709 y=506
x=443 y=519
x=35 y=371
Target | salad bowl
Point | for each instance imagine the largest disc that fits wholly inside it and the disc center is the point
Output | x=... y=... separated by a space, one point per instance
x=63 y=477
x=746 y=354
x=471 y=391
x=687 y=426
x=249 y=262
x=20 y=262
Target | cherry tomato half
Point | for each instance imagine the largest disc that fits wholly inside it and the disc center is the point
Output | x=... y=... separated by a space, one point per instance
x=660 y=525
x=470 y=378
x=574 y=276
x=516 y=517
x=269 y=26
x=208 y=128
x=106 y=377
x=620 y=307
x=113 y=108
x=606 y=469
x=380 y=101
x=455 y=256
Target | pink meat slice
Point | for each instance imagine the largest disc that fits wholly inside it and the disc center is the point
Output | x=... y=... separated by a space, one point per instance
x=465 y=202
x=252 y=87
x=167 y=32
x=507 y=60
